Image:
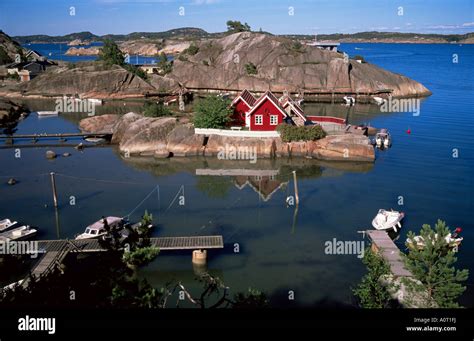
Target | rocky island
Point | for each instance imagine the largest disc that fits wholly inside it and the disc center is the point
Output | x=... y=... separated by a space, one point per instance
x=166 y=137
x=232 y=63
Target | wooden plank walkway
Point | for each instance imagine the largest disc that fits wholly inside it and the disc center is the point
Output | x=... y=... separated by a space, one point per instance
x=164 y=243
x=401 y=284
x=58 y=135
x=55 y=251
x=384 y=245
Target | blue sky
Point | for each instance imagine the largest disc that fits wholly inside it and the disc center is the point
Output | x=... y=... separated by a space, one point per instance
x=52 y=17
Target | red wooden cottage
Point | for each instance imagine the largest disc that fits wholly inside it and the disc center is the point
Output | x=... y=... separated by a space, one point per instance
x=266 y=113
x=242 y=105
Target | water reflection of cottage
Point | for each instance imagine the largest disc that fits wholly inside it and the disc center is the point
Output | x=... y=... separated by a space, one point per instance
x=265 y=182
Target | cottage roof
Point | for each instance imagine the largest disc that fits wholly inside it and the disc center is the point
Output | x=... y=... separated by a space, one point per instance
x=247 y=97
x=286 y=101
x=268 y=95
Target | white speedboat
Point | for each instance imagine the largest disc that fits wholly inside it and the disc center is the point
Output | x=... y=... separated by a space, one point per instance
x=383 y=139
x=453 y=240
x=19 y=233
x=5 y=224
x=378 y=100
x=388 y=220
x=349 y=100
x=47 y=113
x=99 y=228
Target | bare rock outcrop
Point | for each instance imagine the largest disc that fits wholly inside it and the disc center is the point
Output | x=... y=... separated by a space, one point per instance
x=282 y=65
x=83 y=51
x=344 y=147
x=93 y=80
x=99 y=124
x=147 y=136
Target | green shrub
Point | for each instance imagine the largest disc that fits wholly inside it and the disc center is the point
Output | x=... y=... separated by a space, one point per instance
x=370 y=293
x=359 y=57
x=156 y=110
x=205 y=62
x=141 y=256
x=4 y=57
x=291 y=133
x=297 y=46
x=71 y=66
x=251 y=69
x=212 y=112
x=191 y=50
x=136 y=71
x=183 y=58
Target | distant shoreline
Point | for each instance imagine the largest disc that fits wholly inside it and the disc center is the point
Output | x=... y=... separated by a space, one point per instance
x=191 y=33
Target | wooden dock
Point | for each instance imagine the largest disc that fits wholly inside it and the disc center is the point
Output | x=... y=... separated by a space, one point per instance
x=59 y=135
x=401 y=284
x=385 y=247
x=55 y=251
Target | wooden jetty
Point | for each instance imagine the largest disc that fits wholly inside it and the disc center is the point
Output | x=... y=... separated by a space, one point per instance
x=58 y=135
x=401 y=284
x=55 y=251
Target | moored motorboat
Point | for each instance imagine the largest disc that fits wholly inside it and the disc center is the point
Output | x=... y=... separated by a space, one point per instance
x=100 y=228
x=378 y=100
x=47 y=113
x=383 y=138
x=452 y=240
x=349 y=100
x=19 y=233
x=388 y=220
x=5 y=224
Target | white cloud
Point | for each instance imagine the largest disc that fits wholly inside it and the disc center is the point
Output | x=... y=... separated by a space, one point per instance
x=468 y=24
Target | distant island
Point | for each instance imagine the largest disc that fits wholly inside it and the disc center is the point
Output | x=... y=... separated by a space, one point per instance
x=197 y=33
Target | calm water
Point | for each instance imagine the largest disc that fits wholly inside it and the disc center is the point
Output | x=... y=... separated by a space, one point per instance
x=279 y=250
x=58 y=52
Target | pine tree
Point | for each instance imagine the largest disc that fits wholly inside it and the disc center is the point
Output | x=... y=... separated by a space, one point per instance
x=433 y=265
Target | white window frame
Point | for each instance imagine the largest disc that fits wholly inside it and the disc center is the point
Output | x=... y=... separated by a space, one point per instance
x=276 y=120
x=261 y=120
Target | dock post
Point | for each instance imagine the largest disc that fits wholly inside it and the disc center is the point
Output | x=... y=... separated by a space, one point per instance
x=199 y=257
x=53 y=185
x=297 y=198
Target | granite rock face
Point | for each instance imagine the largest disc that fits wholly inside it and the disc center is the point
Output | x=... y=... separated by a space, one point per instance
x=282 y=65
x=99 y=124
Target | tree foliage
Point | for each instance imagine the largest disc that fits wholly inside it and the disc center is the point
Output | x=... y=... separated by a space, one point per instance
x=212 y=112
x=433 y=265
x=4 y=57
x=111 y=54
x=237 y=26
x=165 y=65
x=156 y=110
x=370 y=292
